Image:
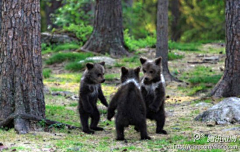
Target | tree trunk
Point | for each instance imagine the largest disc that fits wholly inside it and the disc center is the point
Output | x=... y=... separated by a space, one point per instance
x=21 y=86
x=162 y=38
x=229 y=83
x=0 y=15
x=129 y=3
x=174 y=26
x=50 y=9
x=107 y=36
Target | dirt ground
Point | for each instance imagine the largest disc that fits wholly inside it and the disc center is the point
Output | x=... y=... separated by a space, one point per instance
x=181 y=110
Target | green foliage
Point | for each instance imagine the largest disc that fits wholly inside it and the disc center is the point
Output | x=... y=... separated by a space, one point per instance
x=133 y=44
x=72 y=13
x=61 y=57
x=81 y=31
x=202 y=20
x=140 y=18
x=72 y=18
x=47 y=73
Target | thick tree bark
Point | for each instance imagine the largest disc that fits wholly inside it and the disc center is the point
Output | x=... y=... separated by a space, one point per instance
x=162 y=38
x=176 y=33
x=50 y=9
x=107 y=36
x=229 y=85
x=21 y=86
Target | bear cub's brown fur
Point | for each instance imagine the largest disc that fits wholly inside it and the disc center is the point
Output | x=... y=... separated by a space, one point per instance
x=153 y=91
x=129 y=103
x=90 y=92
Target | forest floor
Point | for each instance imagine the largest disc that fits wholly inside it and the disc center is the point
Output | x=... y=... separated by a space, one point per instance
x=184 y=102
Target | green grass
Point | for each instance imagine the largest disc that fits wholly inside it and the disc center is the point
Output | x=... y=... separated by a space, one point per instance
x=174 y=56
x=57 y=89
x=56 y=48
x=202 y=74
x=61 y=114
x=61 y=57
x=46 y=73
x=200 y=79
x=111 y=76
x=131 y=59
x=64 y=78
x=183 y=46
x=74 y=66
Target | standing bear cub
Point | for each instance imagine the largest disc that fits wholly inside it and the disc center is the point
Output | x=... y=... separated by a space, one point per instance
x=129 y=103
x=90 y=91
x=153 y=92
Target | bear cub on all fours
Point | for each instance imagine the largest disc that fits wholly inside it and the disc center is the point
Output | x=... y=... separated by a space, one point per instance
x=129 y=103
x=153 y=92
x=90 y=92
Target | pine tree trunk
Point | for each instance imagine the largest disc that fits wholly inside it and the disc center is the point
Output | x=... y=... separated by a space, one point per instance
x=162 y=38
x=54 y=5
x=107 y=36
x=0 y=15
x=175 y=22
x=229 y=85
x=21 y=86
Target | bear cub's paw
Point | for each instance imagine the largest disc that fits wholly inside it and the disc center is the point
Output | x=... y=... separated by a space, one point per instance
x=97 y=128
x=162 y=132
x=146 y=138
x=88 y=131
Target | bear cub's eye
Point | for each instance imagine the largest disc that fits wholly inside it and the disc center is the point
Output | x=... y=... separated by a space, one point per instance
x=144 y=71
x=99 y=75
x=151 y=71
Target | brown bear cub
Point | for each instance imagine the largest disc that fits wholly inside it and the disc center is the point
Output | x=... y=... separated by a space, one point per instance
x=153 y=91
x=129 y=103
x=90 y=91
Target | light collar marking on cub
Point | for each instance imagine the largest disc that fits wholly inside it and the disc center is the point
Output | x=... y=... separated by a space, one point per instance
x=153 y=86
x=132 y=80
x=95 y=89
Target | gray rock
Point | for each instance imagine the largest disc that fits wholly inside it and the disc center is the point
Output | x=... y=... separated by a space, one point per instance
x=46 y=90
x=225 y=112
x=50 y=38
x=202 y=104
x=108 y=61
x=232 y=129
x=211 y=59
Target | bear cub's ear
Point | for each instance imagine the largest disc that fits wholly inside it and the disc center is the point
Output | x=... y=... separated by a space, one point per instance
x=137 y=70
x=158 y=61
x=143 y=60
x=124 y=70
x=89 y=66
x=102 y=63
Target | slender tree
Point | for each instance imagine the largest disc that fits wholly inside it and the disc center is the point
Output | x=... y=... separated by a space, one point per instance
x=50 y=8
x=175 y=31
x=229 y=85
x=107 y=35
x=21 y=86
x=162 y=38
x=0 y=14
